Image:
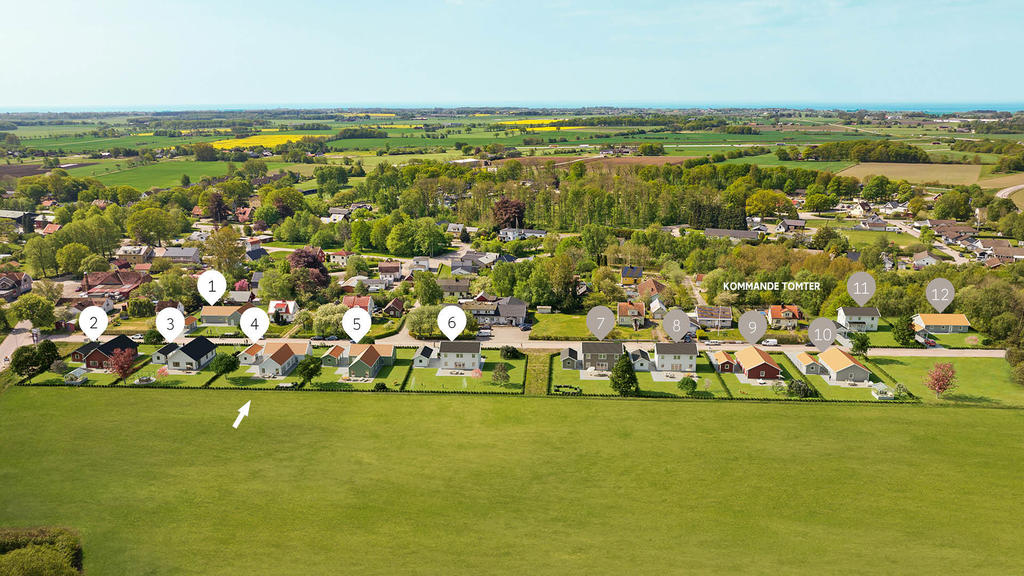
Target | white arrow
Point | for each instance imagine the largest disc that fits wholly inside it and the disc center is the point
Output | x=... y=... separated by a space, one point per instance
x=242 y=413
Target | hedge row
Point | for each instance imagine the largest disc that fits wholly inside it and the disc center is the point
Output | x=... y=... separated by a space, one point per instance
x=66 y=543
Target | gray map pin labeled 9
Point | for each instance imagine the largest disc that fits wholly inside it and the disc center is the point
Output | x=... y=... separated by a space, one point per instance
x=676 y=324
x=600 y=321
x=753 y=325
x=822 y=333
x=940 y=293
x=861 y=287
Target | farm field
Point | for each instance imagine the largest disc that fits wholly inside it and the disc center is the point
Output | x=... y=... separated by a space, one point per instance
x=917 y=173
x=773 y=160
x=984 y=381
x=427 y=471
x=861 y=237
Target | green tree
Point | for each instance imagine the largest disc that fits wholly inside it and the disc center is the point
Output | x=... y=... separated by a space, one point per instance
x=427 y=290
x=94 y=263
x=860 y=343
x=35 y=309
x=151 y=226
x=500 y=375
x=308 y=369
x=224 y=250
x=687 y=386
x=902 y=331
x=224 y=363
x=623 y=378
x=152 y=337
x=24 y=360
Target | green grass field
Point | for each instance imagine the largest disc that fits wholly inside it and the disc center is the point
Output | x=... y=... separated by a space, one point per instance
x=574 y=327
x=157 y=482
x=424 y=379
x=985 y=381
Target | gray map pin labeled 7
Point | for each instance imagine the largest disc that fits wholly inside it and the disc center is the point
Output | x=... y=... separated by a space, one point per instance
x=822 y=333
x=861 y=287
x=676 y=324
x=600 y=321
x=940 y=293
x=753 y=325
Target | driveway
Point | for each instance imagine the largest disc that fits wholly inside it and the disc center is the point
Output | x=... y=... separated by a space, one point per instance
x=20 y=336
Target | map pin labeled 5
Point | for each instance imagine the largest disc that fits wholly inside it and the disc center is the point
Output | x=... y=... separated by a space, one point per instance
x=356 y=323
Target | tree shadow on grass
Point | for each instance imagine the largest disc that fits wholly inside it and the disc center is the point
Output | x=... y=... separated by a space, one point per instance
x=656 y=394
x=332 y=386
x=970 y=399
x=243 y=381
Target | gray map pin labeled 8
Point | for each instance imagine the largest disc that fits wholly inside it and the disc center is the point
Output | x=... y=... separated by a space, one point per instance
x=600 y=321
x=940 y=293
x=822 y=333
x=861 y=287
x=676 y=324
x=753 y=325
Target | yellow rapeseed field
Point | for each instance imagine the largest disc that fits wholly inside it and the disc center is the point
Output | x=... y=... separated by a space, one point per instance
x=531 y=121
x=265 y=140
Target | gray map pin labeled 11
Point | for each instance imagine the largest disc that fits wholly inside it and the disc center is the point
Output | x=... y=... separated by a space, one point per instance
x=822 y=333
x=940 y=293
x=600 y=321
x=753 y=325
x=861 y=287
x=676 y=324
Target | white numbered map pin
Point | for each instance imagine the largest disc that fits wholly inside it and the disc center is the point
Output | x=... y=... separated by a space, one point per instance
x=254 y=323
x=822 y=333
x=93 y=321
x=753 y=325
x=940 y=293
x=676 y=324
x=356 y=323
x=600 y=321
x=452 y=321
x=211 y=286
x=171 y=323
x=861 y=287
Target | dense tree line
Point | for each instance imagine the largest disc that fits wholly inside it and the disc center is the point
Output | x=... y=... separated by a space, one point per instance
x=867 y=151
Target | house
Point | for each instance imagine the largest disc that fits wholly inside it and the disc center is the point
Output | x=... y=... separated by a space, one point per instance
x=77 y=305
x=676 y=356
x=189 y=255
x=275 y=358
x=14 y=284
x=160 y=356
x=376 y=284
x=630 y=275
x=454 y=287
x=714 y=317
x=790 y=225
x=390 y=270
x=336 y=356
x=340 y=257
x=243 y=214
x=650 y=288
x=507 y=311
x=353 y=301
x=366 y=360
x=455 y=229
x=734 y=235
x=318 y=252
x=510 y=234
x=658 y=310
x=97 y=355
x=191 y=323
x=460 y=354
x=282 y=311
x=1008 y=255
x=255 y=253
x=840 y=366
x=223 y=315
x=940 y=323
x=757 y=364
x=136 y=254
x=239 y=296
x=395 y=308
x=631 y=314
x=116 y=284
x=163 y=304
x=808 y=365
x=858 y=319
x=421 y=358
x=922 y=259
x=420 y=264
x=724 y=362
x=641 y=360
x=337 y=213
x=49 y=228
x=192 y=356
x=783 y=316
x=600 y=355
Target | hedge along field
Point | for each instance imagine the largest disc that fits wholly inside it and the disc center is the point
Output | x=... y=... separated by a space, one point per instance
x=158 y=482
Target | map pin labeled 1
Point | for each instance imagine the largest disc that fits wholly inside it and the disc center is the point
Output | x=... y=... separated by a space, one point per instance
x=254 y=323
x=822 y=333
x=211 y=285
x=600 y=321
x=93 y=321
x=753 y=325
x=676 y=324
x=452 y=321
x=861 y=287
x=170 y=322
x=356 y=323
x=940 y=293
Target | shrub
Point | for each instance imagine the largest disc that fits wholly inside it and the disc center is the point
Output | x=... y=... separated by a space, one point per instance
x=380 y=387
x=510 y=353
x=688 y=386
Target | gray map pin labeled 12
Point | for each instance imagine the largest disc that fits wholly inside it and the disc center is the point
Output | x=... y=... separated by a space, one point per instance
x=822 y=333
x=861 y=287
x=600 y=321
x=753 y=325
x=940 y=293
x=676 y=324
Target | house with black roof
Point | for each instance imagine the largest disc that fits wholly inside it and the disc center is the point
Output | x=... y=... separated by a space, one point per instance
x=98 y=354
x=191 y=356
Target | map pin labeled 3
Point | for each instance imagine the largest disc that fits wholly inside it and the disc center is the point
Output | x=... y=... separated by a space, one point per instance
x=676 y=324
x=356 y=323
x=93 y=321
x=753 y=325
x=600 y=321
x=452 y=321
x=254 y=323
x=940 y=293
x=822 y=333
x=861 y=287
x=211 y=285
x=170 y=322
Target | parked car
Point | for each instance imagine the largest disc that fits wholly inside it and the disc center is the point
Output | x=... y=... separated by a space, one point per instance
x=526 y=327
x=770 y=342
x=137 y=337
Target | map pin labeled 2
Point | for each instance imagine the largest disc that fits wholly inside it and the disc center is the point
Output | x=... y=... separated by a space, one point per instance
x=93 y=321
x=940 y=293
x=676 y=324
x=452 y=321
x=254 y=323
x=600 y=321
x=211 y=285
x=861 y=287
x=753 y=325
x=822 y=333
x=356 y=323
x=170 y=322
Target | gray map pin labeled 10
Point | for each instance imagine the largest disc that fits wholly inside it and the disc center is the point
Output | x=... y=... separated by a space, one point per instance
x=676 y=324
x=861 y=287
x=600 y=321
x=940 y=293
x=822 y=333
x=753 y=325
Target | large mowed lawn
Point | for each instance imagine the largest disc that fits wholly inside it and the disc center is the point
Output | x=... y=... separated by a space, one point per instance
x=981 y=380
x=158 y=482
x=426 y=379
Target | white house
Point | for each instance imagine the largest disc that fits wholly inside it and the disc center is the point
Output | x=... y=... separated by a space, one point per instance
x=858 y=319
x=676 y=356
x=197 y=353
x=283 y=309
x=460 y=355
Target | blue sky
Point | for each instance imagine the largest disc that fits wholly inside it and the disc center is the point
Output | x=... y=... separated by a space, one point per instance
x=70 y=54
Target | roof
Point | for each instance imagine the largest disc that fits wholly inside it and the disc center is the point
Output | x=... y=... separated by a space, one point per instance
x=624 y=308
x=804 y=359
x=425 y=351
x=602 y=348
x=650 y=286
x=923 y=255
x=464 y=347
x=632 y=272
x=336 y=351
x=198 y=347
x=943 y=319
x=167 y=349
x=837 y=359
x=722 y=356
x=223 y=310
x=353 y=301
x=752 y=356
x=253 y=350
x=776 y=310
x=860 y=311
x=682 y=348
x=721 y=232
x=718 y=312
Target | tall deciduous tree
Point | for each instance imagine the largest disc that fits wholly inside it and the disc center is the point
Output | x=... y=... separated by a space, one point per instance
x=941 y=378
x=508 y=212
x=121 y=363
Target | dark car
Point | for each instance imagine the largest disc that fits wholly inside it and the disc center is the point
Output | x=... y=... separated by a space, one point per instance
x=526 y=327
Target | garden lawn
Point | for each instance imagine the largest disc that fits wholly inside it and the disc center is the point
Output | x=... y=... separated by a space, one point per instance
x=574 y=327
x=982 y=380
x=863 y=237
x=158 y=482
x=423 y=379
x=830 y=392
x=392 y=376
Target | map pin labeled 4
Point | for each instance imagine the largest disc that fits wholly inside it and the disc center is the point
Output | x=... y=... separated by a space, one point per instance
x=822 y=333
x=93 y=321
x=211 y=285
x=356 y=323
x=676 y=324
x=940 y=293
x=753 y=326
x=254 y=323
x=600 y=321
x=452 y=321
x=861 y=287
x=170 y=322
